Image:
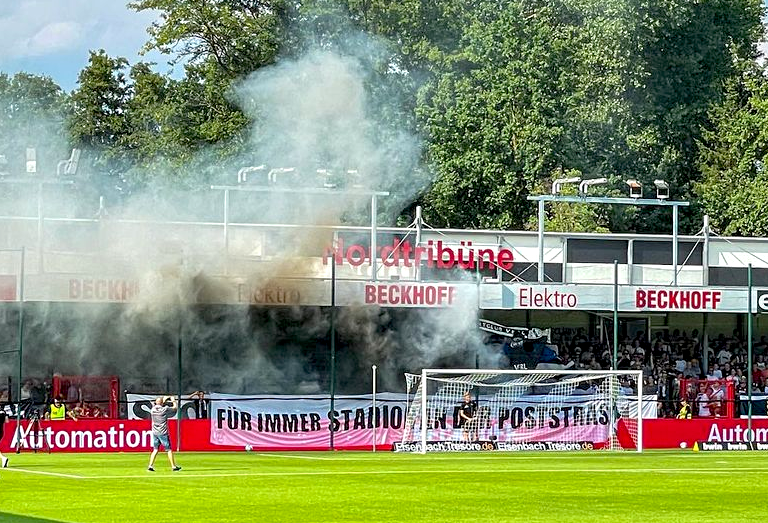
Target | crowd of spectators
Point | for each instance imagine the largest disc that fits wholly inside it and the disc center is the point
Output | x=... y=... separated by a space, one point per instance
x=37 y=395
x=669 y=358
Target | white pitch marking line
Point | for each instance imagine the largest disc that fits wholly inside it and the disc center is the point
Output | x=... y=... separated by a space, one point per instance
x=436 y=471
x=295 y=457
x=56 y=474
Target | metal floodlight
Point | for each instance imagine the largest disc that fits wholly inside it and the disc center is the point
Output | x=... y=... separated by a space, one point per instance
x=562 y=181
x=635 y=189
x=31 y=160
x=586 y=184
x=326 y=175
x=280 y=170
x=355 y=178
x=662 y=189
x=69 y=166
x=244 y=173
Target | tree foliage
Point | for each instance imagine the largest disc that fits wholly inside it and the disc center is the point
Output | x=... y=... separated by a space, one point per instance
x=506 y=95
x=734 y=158
x=32 y=112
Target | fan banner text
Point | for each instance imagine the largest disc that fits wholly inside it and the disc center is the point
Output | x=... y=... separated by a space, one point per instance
x=305 y=421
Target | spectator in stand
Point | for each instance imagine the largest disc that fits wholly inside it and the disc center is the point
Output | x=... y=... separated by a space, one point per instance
x=649 y=386
x=716 y=372
x=724 y=356
x=626 y=388
x=81 y=410
x=26 y=390
x=624 y=363
x=680 y=363
x=57 y=411
x=716 y=397
x=702 y=401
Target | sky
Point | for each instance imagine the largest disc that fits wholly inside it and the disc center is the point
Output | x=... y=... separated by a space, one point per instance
x=53 y=37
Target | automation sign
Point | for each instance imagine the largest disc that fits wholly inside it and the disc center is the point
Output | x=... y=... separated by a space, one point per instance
x=630 y=298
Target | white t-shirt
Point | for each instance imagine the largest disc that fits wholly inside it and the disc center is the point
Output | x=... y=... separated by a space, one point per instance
x=723 y=357
x=703 y=400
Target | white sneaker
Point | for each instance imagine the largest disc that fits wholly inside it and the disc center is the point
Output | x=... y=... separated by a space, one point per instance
x=5 y=463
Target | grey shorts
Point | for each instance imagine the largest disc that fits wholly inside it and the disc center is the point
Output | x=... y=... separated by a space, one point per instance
x=161 y=439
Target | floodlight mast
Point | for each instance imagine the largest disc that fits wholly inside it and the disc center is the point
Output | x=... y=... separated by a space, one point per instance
x=661 y=200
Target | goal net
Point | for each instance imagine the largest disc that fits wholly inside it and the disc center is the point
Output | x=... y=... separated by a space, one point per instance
x=523 y=410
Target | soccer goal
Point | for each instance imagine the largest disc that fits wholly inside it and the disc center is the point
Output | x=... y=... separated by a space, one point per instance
x=468 y=409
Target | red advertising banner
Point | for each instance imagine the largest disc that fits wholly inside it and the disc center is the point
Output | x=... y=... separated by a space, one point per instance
x=670 y=433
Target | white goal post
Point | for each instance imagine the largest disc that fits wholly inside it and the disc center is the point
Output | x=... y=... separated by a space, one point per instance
x=523 y=410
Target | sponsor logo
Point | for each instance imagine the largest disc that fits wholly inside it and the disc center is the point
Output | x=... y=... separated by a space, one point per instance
x=418 y=295
x=737 y=433
x=545 y=298
x=113 y=438
x=714 y=446
x=762 y=301
x=486 y=446
x=665 y=299
x=267 y=295
x=102 y=289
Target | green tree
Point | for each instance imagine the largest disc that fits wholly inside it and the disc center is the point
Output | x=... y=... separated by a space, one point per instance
x=610 y=88
x=32 y=111
x=734 y=158
x=238 y=35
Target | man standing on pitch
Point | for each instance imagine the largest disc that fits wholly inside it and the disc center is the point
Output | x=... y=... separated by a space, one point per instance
x=160 y=414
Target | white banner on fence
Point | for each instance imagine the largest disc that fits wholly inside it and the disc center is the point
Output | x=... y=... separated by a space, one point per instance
x=139 y=406
x=305 y=421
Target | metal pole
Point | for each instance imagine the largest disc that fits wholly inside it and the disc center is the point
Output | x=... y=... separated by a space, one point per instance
x=640 y=411
x=705 y=253
x=226 y=231
x=615 y=314
x=375 y=416
x=418 y=222
x=541 y=241
x=20 y=349
x=179 y=344
x=674 y=244
x=424 y=420
x=749 y=351
x=333 y=345
x=374 y=254
x=40 y=228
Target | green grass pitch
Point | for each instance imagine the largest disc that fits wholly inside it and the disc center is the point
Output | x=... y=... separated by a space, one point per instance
x=356 y=486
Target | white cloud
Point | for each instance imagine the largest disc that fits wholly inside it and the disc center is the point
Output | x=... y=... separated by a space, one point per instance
x=54 y=37
x=38 y=28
